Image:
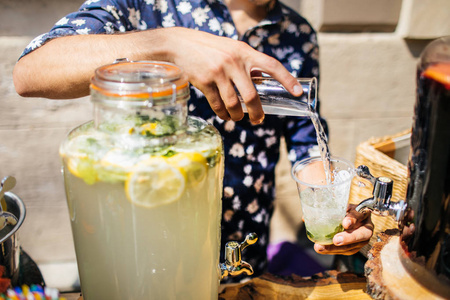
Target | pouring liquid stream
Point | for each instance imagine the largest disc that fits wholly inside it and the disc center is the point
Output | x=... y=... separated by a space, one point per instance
x=322 y=142
x=280 y=102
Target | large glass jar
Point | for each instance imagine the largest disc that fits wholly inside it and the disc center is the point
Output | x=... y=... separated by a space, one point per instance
x=144 y=184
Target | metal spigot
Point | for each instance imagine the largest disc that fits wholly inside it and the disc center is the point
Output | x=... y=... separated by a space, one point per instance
x=380 y=202
x=234 y=265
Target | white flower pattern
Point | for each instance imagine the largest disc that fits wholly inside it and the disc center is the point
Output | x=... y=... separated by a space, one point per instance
x=161 y=5
x=184 y=7
x=200 y=15
x=83 y=31
x=168 y=21
x=78 y=22
x=214 y=25
x=89 y=2
x=62 y=21
x=228 y=28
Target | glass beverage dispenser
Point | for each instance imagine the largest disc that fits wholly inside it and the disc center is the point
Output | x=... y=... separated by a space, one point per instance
x=426 y=230
x=144 y=184
x=424 y=217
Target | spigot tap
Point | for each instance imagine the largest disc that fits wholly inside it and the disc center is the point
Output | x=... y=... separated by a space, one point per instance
x=380 y=202
x=234 y=265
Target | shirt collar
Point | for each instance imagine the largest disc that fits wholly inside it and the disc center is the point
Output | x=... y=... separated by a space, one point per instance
x=274 y=16
x=215 y=1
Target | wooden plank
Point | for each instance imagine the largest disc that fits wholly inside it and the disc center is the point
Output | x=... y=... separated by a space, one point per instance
x=71 y=296
x=329 y=285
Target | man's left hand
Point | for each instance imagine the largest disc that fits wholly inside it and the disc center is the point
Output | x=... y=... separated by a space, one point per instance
x=358 y=229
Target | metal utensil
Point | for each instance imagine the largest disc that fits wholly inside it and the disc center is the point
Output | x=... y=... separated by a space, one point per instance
x=8 y=183
x=10 y=250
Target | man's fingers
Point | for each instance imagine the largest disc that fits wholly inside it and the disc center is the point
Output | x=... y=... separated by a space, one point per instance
x=361 y=234
x=216 y=103
x=347 y=242
x=358 y=231
x=231 y=101
x=250 y=97
x=353 y=217
x=275 y=69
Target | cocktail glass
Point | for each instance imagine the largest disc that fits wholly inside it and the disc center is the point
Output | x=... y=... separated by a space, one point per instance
x=324 y=202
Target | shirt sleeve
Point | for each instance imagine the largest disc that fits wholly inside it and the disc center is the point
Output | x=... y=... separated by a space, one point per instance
x=299 y=132
x=93 y=17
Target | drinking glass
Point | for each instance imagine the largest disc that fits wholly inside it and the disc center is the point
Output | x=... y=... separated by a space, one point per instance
x=324 y=201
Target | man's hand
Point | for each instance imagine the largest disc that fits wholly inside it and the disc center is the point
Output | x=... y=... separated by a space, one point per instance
x=358 y=231
x=213 y=64
x=216 y=65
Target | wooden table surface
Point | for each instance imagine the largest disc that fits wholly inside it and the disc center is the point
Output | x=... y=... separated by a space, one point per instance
x=328 y=285
x=71 y=296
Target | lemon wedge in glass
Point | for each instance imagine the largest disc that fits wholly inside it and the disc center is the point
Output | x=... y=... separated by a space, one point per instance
x=154 y=182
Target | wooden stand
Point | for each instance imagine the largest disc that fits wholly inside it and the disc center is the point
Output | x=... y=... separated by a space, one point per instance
x=389 y=278
x=328 y=285
x=386 y=277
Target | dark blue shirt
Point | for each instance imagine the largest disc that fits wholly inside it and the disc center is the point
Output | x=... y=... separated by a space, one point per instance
x=251 y=152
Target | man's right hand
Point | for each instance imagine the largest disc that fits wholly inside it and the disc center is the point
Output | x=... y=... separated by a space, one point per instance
x=62 y=68
x=216 y=65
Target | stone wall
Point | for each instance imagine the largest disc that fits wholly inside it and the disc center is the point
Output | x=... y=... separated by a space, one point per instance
x=367 y=89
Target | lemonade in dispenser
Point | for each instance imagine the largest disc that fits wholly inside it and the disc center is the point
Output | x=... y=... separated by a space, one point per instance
x=144 y=185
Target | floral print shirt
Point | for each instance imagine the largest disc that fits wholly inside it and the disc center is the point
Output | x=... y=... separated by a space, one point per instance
x=251 y=151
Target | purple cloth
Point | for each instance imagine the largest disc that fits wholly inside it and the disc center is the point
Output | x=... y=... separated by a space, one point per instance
x=287 y=258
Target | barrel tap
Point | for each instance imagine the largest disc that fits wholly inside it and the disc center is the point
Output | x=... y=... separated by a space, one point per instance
x=233 y=264
x=380 y=202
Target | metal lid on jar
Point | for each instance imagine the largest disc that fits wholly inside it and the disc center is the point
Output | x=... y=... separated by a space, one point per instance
x=142 y=82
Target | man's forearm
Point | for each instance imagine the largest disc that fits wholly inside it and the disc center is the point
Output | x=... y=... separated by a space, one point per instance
x=62 y=68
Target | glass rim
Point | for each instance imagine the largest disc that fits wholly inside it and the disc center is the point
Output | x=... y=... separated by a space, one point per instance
x=308 y=160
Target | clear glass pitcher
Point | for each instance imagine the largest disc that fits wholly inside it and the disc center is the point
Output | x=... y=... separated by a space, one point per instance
x=276 y=100
x=144 y=184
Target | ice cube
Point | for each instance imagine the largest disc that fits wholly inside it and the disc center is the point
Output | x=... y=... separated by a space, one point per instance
x=307 y=196
x=341 y=176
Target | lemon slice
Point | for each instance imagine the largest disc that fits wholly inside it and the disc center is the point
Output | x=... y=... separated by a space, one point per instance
x=154 y=182
x=89 y=145
x=192 y=165
x=149 y=129
x=83 y=168
x=115 y=166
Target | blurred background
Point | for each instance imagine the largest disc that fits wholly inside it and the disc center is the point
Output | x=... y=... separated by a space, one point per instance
x=368 y=55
